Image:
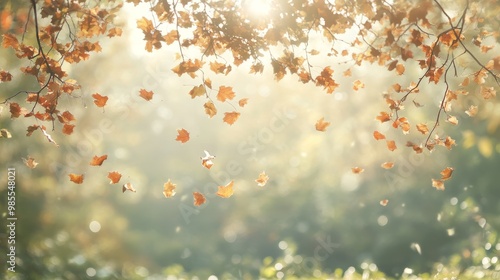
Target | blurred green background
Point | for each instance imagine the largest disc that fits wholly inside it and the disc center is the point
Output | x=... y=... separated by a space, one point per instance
x=314 y=218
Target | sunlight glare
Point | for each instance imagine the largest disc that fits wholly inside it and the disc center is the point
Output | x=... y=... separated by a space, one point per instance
x=257 y=7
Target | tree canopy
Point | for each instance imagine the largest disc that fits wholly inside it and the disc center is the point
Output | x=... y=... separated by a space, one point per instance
x=419 y=75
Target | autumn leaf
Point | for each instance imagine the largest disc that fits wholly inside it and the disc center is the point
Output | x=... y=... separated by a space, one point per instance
x=383 y=117
x=262 y=180
x=182 y=135
x=49 y=138
x=169 y=189
x=16 y=110
x=199 y=199
x=128 y=187
x=231 y=117
x=206 y=161
x=243 y=102
x=66 y=117
x=357 y=85
x=148 y=95
x=472 y=111
x=226 y=191
x=449 y=142
x=422 y=128
x=68 y=128
x=5 y=76
x=75 y=178
x=438 y=184
x=453 y=120
x=378 y=136
x=321 y=125
x=30 y=162
x=98 y=160
x=4 y=133
x=210 y=108
x=225 y=93
x=387 y=165
x=488 y=92
x=446 y=173
x=391 y=145
x=197 y=91
x=400 y=69
x=99 y=100
x=384 y=202
x=114 y=177
x=357 y=170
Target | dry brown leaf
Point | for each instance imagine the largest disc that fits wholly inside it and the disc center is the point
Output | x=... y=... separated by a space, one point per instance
x=446 y=173
x=199 y=199
x=114 y=177
x=169 y=189
x=76 y=178
x=99 y=100
x=30 y=162
x=378 y=136
x=225 y=93
x=148 y=95
x=383 y=117
x=182 y=135
x=210 y=108
x=422 y=128
x=321 y=125
x=472 y=111
x=98 y=160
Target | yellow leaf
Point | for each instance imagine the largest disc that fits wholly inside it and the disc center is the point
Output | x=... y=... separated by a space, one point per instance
x=225 y=93
x=321 y=125
x=210 y=108
x=243 y=102
x=231 y=117
x=438 y=184
x=472 y=111
x=262 y=180
x=226 y=191
x=169 y=189
x=197 y=91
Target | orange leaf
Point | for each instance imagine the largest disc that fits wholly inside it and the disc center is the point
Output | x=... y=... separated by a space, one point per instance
x=357 y=170
x=225 y=93
x=210 y=108
x=169 y=189
x=128 y=187
x=446 y=173
x=358 y=85
x=391 y=145
x=114 y=177
x=226 y=191
x=10 y=40
x=422 y=128
x=66 y=117
x=15 y=110
x=262 y=180
x=383 y=117
x=400 y=69
x=378 y=136
x=199 y=198
x=30 y=162
x=488 y=92
x=243 y=102
x=97 y=161
x=384 y=202
x=231 y=117
x=5 y=76
x=448 y=142
x=472 y=111
x=387 y=165
x=321 y=125
x=68 y=128
x=217 y=67
x=182 y=136
x=438 y=184
x=77 y=179
x=197 y=91
x=206 y=161
x=99 y=100
x=148 y=95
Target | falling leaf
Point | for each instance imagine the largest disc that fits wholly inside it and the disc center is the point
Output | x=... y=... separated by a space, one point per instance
x=387 y=165
x=4 y=133
x=416 y=247
x=446 y=173
x=384 y=202
x=199 y=198
x=148 y=95
x=99 y=100
x=75 y=178
x=488 y=92
x=66 y=117
x=356 y=85
x=453 y=120
x=262 y=180
x=98 y=160
x=128 y=187
x=68 y=128
x=182 y=135
x=422 y=128
x=472 y=111
x=400 y=69
x=210 y=108
x=357 y=170
x=391 y=145
x=378 y=136
x=231 y=117
x=48 y=136
x=206 y=161
x=448 y=142
x=15 y=110
x=114 y=177
x=438 y=184
x=243 y=102
x=225 y=93
x=226 y=191
x=169 y=189
x=30 y=162
x=383 y=117
x=321 y=125
x=197 y=91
